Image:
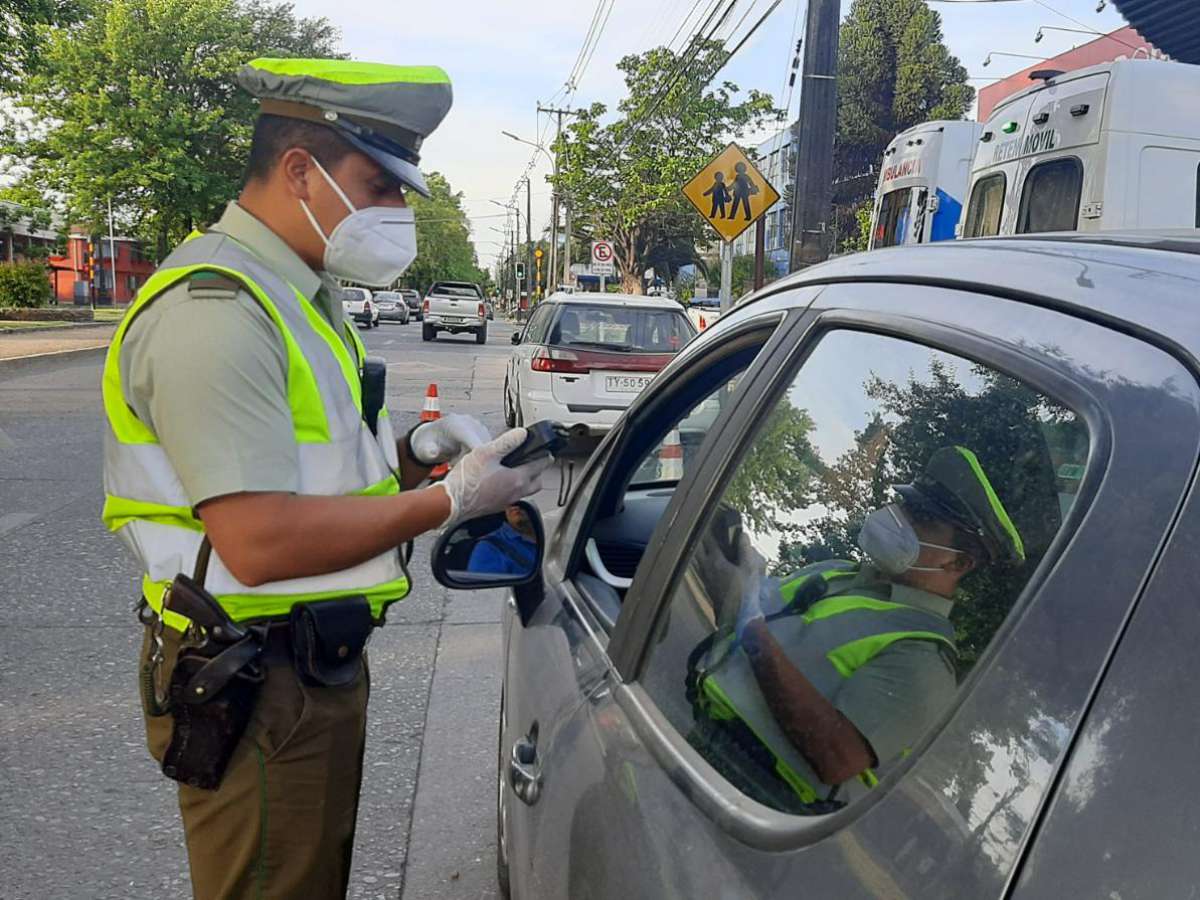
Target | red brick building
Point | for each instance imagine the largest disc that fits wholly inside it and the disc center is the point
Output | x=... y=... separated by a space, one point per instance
x=75 y=283
x=1121 y=44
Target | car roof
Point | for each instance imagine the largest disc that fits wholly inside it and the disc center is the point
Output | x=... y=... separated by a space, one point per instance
x=614 y=300
x=1145 y=281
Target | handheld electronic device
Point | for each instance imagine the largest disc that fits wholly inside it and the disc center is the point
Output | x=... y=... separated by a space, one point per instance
x=546 y=438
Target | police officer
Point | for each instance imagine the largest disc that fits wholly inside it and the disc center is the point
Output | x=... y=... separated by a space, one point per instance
x=240 y=449
x=840 y=668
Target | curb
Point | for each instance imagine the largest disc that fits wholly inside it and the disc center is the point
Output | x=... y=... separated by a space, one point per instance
x=14 y=363
x=4 y=329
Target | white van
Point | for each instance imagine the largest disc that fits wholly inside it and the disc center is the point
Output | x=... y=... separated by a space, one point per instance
x=923 y=183
x=1111 y=146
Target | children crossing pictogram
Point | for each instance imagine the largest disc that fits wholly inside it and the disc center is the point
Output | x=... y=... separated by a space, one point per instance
x=731 y=193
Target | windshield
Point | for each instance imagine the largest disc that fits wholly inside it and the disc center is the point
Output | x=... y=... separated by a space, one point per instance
x=354 y=295
x=621 y=329
x=456 y=290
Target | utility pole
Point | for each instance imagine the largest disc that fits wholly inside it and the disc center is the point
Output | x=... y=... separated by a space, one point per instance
x=566 y=267
x=112 y=253
x=812 y=189
x=529 y=237
x=555 y=199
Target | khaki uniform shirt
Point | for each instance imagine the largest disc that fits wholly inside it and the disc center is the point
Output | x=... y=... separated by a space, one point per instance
x=896 y=697
x=205 y=368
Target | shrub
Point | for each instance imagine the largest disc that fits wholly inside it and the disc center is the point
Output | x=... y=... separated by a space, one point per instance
x=25 y=284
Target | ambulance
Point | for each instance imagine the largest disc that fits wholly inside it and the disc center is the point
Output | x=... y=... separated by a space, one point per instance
x=923 y=183
x=1110 y=146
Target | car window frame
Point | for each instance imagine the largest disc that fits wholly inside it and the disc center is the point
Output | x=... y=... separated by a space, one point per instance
x=629 y=647
x=525 y=334
x=568 y=540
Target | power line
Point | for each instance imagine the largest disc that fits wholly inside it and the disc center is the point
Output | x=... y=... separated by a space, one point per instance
x=595 y=44
x=1084 y=24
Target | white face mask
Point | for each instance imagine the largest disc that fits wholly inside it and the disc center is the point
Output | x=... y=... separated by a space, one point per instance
x=892 y=544
x=371 y=246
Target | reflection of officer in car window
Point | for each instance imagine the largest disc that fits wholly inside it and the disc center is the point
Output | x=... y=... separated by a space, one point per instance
x=841 y=667
x=509 y=550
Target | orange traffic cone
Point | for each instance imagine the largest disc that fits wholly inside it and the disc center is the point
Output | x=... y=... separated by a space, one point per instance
x=670 y=458
x=431 y=412
x=703 y=323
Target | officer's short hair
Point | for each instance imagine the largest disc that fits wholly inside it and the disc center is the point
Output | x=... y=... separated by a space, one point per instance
x=275 y=135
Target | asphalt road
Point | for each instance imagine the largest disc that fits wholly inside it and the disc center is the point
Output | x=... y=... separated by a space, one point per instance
x=83 y=810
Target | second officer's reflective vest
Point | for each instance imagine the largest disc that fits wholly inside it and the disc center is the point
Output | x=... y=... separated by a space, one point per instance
x=336 y=451
x=827 y=639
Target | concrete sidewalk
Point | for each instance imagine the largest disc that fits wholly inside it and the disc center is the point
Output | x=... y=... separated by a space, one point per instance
x=38 y=342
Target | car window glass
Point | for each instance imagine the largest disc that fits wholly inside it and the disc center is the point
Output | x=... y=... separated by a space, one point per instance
x=879 y=527
x=893 y=218
x=986 y=206
x=535 y=333
x=1050 y=200
x=624 y=329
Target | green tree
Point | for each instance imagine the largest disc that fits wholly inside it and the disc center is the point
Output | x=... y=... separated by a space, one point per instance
x=778 y=474
x=623 y=178
x=24 y=284
x=24 y=27
x=894 y=71
x=444 y=248
x=138 y=104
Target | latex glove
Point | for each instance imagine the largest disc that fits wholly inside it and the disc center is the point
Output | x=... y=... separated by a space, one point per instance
x=732 y=584
x=480 y=485
x=450 y=437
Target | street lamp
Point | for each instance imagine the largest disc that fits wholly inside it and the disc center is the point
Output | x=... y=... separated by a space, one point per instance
x=988 y=60
x=1044 y=28
x=553 y=200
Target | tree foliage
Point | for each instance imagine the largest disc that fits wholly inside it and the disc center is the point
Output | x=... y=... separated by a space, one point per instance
x=138 y=103
x=623 y=177
x=445 y=251
x=894 y=71
x=24 y=284
x=24 y=27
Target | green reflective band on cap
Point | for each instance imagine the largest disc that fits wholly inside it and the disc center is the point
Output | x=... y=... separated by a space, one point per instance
x=997 y=507
x=348 y=71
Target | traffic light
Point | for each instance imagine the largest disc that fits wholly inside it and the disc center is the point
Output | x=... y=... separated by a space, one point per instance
x=520 y=271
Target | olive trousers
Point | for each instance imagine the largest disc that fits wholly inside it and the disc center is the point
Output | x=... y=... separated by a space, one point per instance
x=281 y=824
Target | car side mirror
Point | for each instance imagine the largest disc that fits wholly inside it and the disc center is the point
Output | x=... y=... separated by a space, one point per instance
x=516 y=338
x=504 y=549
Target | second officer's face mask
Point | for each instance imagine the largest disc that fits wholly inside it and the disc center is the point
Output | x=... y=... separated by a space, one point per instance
x=891 y=542
x=371 y=246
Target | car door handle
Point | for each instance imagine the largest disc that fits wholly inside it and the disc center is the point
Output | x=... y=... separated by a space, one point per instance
x=524 y=772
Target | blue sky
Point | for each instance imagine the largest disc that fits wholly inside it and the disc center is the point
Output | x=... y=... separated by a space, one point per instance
x=504 y=57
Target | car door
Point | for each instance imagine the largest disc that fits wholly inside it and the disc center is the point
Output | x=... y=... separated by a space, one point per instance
x=558 y=677
x=1067 y=417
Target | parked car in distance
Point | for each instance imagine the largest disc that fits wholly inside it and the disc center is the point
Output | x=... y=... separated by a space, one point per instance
x=583 y=358
x=358 y=305
x=392 y=307
x=413 y=299
x=648 y=749
x=456 y=307
x=704 y=311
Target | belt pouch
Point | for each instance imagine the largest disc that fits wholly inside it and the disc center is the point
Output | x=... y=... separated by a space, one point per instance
x=208 y=726
x=328 y=637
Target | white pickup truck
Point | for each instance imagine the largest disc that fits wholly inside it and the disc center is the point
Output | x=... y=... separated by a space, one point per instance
x=454 y=306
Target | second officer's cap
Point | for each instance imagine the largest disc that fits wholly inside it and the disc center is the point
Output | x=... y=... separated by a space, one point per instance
x=382 y=110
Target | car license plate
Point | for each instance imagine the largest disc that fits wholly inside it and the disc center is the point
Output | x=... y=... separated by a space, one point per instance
x=625 y=384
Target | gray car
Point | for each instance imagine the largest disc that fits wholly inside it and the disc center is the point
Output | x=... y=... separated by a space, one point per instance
x=392 y=306
x=1040 y=750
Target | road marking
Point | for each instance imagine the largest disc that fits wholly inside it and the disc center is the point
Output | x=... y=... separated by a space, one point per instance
x=13 y=521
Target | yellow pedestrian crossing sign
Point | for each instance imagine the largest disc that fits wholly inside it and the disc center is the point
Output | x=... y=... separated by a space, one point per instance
x=731 y=193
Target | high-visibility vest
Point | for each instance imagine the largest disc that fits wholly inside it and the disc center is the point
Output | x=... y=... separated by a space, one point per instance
x=839 y=634
x=337 y=454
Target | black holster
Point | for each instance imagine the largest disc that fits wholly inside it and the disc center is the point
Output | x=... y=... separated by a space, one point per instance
x=214 y=684
x=328 y=638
